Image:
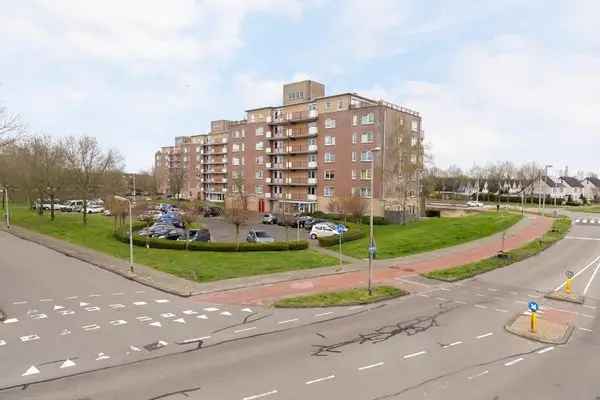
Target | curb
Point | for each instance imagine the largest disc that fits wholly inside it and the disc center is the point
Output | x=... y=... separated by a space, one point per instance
x=354 y=303
x=560 y=297
x=532 y=336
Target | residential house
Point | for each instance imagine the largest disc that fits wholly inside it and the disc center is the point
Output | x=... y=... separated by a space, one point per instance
x=591 y=188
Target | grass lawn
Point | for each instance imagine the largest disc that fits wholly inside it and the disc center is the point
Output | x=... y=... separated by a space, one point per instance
x=202 y=266
x=342 y=298
x=430 y=234
x=590 y=209
x=559 y=229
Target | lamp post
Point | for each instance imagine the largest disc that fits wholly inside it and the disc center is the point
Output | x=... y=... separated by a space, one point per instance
x=545 y=176
x=130 y=231
x=371 y=239
x=6 y=206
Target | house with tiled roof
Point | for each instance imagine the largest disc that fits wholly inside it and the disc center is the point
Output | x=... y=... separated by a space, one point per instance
x=571 y=188
x=591 y=188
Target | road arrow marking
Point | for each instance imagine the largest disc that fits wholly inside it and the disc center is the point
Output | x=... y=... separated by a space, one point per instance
x=68 y=363
x=31 y=371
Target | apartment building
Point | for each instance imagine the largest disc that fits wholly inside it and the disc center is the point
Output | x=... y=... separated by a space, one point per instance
x=303 y=155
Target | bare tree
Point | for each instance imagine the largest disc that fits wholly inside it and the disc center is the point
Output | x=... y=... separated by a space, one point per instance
x=176 y=181
x=88 y=164
x=237 y=212
x=190 y=215
x=11 y=127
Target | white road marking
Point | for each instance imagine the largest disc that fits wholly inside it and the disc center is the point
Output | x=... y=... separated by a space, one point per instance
x=287 y=321
x=445 y=289
x=211 y=309
x=180 y=320
x=118 y=294
x=139 y=303
x=160 y=301
x=577 y=221
x=67 y=364
x=514 y=293
x=140 y=291
x=460 y=302
x=39 y=316
x=2 y=342
x=29 y=338
x=71 y=297
x=118 y=322
x=542 y=351
x=479 y=374
x=587 y=287
x=492 y=289
x=92 y=309
x=578 y=273
x=143 y=318
x=379 y=364
x=581 y=238
x=588 y=306
x=324 y=313
x=441 y=298
x=325 y=378
x=354 y=308
x=480 y=294
x=203 y=316
x=584 y=221
x=167 y=315
x=102 y=356
x=245 y=329
x=45 y=300
x=419 y=353
x=452 y=344
x=534 y=296
x=585 y=329
x=57 y=307
x=31 y=371
x=484 y=335
x=513 y=362
x=19 y=302
x=520 y=302
x=480 y=306
x=586 y=315
x=65 y=332
x=156 y=323
x=83 y=304
x=226 y=314
x=116 y=306
x=190 y=312
x=258 y=396
x=91 y=327
x=501 y=310
x=423 y=295
x=412 y=282
x=133 y=348
x=11 y=320
x=194 y=340
x=66 y=312
x=248 y=310
x=95 y=295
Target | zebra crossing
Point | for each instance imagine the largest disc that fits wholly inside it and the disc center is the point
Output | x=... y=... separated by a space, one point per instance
x=588 y=221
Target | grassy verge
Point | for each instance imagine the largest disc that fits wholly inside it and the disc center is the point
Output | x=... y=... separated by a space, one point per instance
x=589 y=209
x=430 y=234
x=202 y=266
x=342 y=298
x=558 y=231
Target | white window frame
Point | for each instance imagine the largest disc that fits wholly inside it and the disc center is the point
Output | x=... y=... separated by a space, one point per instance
x=367 y=119
x=329 y=140
x=369 y=157
x=329 y=175
x=329 y=123
x=328 y=191
x=364 y=137
x=329 y=157
x=260 y=131
x=260 y=146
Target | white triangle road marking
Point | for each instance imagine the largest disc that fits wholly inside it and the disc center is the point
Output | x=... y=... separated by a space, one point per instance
x=11 y=320
x=226 y=313
x=2 y=342
x=82 y=304
x=180 y=320
x=57 y=307
x=155 y=324
x=248 y=310
x=31 y=371
x=102 y=356
x=203 y=316
x=68 y=363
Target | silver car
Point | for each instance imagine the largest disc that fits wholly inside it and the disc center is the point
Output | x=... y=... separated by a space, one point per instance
x=259 y=237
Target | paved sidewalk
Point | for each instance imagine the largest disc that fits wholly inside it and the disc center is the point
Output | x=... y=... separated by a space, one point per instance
x=389 y=271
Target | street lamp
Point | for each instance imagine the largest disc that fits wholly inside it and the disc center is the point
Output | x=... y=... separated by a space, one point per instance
x=545 y=176
x=6 y=208
x=130 y=231
x=371 y=238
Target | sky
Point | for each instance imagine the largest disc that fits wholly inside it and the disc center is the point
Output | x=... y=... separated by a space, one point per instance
x=504 y=80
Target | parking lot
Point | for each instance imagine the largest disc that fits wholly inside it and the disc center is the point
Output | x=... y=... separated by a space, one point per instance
x=223 y=231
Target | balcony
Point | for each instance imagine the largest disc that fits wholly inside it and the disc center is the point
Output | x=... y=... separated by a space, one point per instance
x=293 y=117
x=267 y=180
x=268 y=150
x=302 y=149
x=312 y=181
x=275 y=181
x=268 y=165
x=267 y=195
x=313 y=130
x=276 y=166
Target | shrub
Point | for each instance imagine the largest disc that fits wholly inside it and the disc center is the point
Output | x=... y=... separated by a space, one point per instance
x=365 y=219
x=433 y=213
x=354 y=233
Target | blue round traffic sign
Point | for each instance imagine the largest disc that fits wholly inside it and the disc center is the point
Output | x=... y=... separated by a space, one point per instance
x=533 y=306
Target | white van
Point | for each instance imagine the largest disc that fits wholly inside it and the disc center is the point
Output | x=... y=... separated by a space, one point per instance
x=76 y=205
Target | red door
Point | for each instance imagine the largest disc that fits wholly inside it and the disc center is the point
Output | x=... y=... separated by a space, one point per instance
x=261 y=205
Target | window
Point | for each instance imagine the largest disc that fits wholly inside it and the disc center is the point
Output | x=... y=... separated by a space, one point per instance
x=354 y=176
x=185 y=149
x=312 y=174
x=235 y=161
x=243 y=146
x=365 y=192
x=197 y=149
x=354 y=120
x=260 y=146
x=366 y=137
x=259 y=160
x=330 y=123
x=243 y=133
x=329 y=175
x=367 y=119
x=260 y=131
x=413 y=141
x=236 y=134
x=353 y=156
x=235 y=147
x=311 y=190
x=259 y=189
x=329 y=140
x=413 y=158
x=197 y=158
x=259 y=174
x=354 y=138
x=328 y=191
x=340 y=104
x=414 y=125
x=329 y=157
x=312 y=158
x=365 y=174
x=327 y=105
x=355 y=191
x=366 y=156
x=184 y=159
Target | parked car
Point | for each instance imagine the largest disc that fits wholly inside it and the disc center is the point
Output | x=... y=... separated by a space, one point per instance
x=173 y=234
x=309 y=223
x=211 y=212
x=66 y=207
x=269 y=219
x=107 y=213
x=93 y=209
x=474 y=203
x=259 y=237
x=76 y=205
x=198 y=235
x=156 y=230
x=323 y=229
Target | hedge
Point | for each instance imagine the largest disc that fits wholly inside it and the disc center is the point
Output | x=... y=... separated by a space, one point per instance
x=153 y=243
x=341 y=217
x=354 y=233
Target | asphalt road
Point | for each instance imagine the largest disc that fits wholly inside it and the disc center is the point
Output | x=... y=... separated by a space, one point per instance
x=445 y=342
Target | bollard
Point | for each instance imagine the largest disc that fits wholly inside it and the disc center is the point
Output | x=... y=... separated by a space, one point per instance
x=568 y=285
x=533 y=322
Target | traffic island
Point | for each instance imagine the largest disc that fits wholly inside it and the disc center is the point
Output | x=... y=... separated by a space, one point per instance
x=563 y=296
x=2 y=315
x=546 y=331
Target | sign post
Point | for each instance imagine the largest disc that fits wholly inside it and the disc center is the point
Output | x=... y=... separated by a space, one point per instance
x=533 y=307
x=569 y=282
x=340 y=232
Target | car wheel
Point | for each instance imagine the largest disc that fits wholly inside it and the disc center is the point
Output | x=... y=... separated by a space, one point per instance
x=313 y=236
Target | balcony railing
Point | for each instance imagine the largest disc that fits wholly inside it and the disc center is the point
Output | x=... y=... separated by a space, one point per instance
x=294 y=116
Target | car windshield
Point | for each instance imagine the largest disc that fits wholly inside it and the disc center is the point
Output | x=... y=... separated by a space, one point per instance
x=262 y=234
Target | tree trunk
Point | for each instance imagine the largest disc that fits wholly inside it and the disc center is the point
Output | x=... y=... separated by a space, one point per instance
x=237 y=236
x=51 y=206
x=84 y=211
x=187 y=238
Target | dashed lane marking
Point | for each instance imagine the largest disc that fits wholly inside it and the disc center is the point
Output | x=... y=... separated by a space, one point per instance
x=588 y=306
x=258 y=396
x=92 y=309
x=118 y=294
x=245 y=329
x=66 y=312
x=11 y=320
x=139 y=303
x=501 y=310
x=95 y=295
x=513 y=362
x=492 y=289
x=190 y=312
x=46 y=300
x=226 y=314
x=545 y=350
x=419 y=353
x=481 y=306
x=211 y=309
x=102 y=356
x=156 y=323
x=116 y=306
x=71 y=297
x=29 y=338
x=354 y=308
x=118 y=322
x=585 y=329
x=160 y=301
x=479 y=374
x=83 y=304
x=379 y=364
x=203 y=316
x=452 y=345
x=423 y=295
x=91 y=327
x=57 y=307
x=133 y=348
x=167 y=315
x=287 y=321
x=484 y=335
x=246 y=310
x=441 y=298
x=19 y=302
x=323 y=314
x=179 y=320
x=143 y=318
x=460 y=302
x=586 y=315
x=325 y=378
x=39 y=316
